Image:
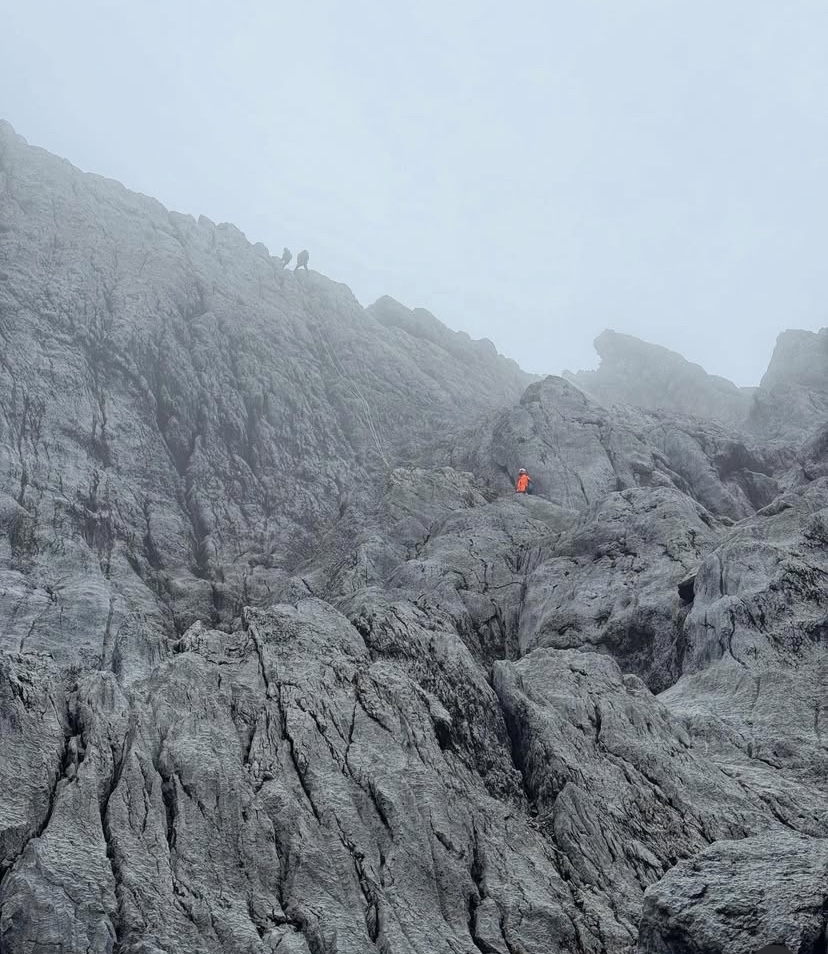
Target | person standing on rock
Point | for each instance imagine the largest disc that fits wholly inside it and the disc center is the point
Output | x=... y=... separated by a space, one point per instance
x=524 y=482
x=286 y=257
x=302 y=260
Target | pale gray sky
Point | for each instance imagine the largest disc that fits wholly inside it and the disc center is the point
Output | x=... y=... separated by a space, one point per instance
x=533 y=172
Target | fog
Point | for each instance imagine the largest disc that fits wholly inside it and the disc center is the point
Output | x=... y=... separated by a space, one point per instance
x=531 y=173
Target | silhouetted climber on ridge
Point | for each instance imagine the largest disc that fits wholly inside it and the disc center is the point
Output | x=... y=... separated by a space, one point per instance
x=302 y=259
x=286 y=257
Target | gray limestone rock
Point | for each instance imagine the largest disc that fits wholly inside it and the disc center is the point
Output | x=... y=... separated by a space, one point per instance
x=182 y=420
x=35 y=729
x=652 y=377
x=793 y=397
x=610 y=582
x=618 y=785
x=572 y=447
x=286 y=665
x=577 y=451
x=736 y=897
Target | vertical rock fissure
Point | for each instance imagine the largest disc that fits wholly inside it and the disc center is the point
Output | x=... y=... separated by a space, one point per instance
x=477 y=896
x=294 y=755
x=367 y=886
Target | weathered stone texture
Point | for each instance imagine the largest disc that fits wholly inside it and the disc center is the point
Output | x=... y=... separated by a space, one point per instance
x=286 y=666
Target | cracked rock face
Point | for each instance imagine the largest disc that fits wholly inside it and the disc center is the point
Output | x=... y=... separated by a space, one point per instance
x=286 y=666
x=183 y=420
x=720 y=901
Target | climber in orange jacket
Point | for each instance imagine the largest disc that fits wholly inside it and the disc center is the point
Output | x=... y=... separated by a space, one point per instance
x=524 y=482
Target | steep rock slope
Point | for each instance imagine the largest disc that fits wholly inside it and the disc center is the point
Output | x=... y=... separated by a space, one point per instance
x=477 y=357
x=287 y=667
x=578 y=451
x=181 y=419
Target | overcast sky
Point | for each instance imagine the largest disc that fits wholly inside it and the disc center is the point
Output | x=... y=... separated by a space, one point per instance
x=531 y=172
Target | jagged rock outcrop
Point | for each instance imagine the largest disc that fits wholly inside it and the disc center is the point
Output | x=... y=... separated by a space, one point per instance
x=577 y=451
x=619 y=786
x=730 y=473
x=478 y=357
x=755 y=662
x=183 y=419
x=791 y=400
x=288 y=667
x=735 y=892
x=611 y=581
x=793 y=397
x=652 y=377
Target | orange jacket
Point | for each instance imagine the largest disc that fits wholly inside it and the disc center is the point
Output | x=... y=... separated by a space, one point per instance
x=522 y=483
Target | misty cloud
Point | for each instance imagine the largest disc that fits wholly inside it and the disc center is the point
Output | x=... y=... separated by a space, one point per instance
x=533 y=177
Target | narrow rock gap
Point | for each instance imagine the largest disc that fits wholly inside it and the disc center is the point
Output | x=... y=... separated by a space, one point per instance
x=477 y=872
x=372 y=913
x=517 y=755
x=598 y=722
x=294 y=757
x=114 y=864
x=821 y=945
x=509 y=946
x=168 y=797
x=67 y=763
x=250 y=628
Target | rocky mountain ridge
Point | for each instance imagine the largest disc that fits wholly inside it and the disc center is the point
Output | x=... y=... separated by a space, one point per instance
x=791 y=400
x=286 y=666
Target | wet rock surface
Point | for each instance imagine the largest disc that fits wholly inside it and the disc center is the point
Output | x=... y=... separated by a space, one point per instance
x=288 y=667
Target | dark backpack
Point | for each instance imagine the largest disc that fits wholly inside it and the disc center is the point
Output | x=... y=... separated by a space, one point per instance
x=530 y=487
